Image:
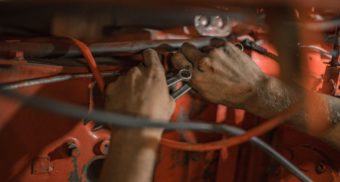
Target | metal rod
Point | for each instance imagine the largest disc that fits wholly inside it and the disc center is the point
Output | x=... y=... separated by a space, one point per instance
x=335 y=56
x=322 y=51
x=80 y=112
x=52 y=79
x=50 y=48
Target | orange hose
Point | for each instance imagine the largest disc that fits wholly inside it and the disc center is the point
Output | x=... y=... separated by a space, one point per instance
x=217 y=145
x=85 y=50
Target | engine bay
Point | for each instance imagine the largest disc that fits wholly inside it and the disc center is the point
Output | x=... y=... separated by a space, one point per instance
x=57 y=57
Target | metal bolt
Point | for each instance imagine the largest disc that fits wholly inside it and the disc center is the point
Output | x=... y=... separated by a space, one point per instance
x=320 y=168
x=217 y=22
x=104 y=147
x=203 y=20
x=72 y=149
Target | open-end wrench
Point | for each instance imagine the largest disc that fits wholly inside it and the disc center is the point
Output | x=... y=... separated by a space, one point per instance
x=181 y=91
x=184 y=75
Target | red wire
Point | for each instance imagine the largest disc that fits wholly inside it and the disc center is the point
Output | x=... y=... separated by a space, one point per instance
x=85 y=50
x=217 y=145
x=224 y=143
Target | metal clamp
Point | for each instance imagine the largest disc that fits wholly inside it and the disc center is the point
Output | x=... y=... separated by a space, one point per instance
x=213 y=26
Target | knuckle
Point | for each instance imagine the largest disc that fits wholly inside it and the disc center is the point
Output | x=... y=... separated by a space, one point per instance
x=187 y=66
x=204 y=63
x=156 y=72
x=149 y=51
x=183 y=65
x=134 y=72
x=214 y=52
x=196 y=78
x=177 y=56
x=228 y=47
x=179 y=61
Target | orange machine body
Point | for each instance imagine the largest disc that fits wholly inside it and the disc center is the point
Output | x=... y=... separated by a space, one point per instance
x=41 y=146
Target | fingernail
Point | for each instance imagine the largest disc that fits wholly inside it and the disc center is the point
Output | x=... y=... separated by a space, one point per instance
x=148 y=51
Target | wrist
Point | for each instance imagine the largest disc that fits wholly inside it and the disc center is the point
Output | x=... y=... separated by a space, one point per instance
x=137 y=135
x=271 y=97
x=261 y=89
x=133 y=150
x=257 y=94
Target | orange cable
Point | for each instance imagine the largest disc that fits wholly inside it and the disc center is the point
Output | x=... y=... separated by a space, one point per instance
x=217 y=145
x=85 y=50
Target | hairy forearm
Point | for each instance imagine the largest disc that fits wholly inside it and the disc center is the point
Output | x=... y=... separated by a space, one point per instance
x=318 y=115
x=131 y=155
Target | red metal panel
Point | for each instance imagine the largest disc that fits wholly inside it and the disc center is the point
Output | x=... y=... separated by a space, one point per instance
x=33 y=141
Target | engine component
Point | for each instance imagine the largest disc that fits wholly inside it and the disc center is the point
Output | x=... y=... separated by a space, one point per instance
x=209 y=156
x=183 y=75
x=127 y=121
x=213 y=26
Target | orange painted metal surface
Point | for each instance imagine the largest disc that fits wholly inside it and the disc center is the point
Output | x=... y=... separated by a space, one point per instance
x=40 y=146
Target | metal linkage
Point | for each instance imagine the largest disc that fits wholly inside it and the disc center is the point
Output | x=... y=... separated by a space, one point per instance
x=53 y=79
x=323 y=52
x=253 y=46
x=59 y=47
x=213 y=26
x=128 y=121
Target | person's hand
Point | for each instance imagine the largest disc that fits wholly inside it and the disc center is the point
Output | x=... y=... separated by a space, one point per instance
x=225 y=75
x=142 y=91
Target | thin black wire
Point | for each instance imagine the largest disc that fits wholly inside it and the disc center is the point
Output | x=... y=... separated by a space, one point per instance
x=80 y=112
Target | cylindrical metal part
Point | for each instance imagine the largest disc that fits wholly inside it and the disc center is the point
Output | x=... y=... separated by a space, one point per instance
x=63 y=48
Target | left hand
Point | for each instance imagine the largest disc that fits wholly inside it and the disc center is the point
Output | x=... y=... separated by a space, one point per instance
x=225 y=75
x=142 y=91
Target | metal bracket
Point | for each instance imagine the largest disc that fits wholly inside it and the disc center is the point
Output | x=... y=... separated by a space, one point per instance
x=213 y=26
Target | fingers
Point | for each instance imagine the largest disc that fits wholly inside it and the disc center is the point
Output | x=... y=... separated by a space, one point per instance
x=112 y=87
x=231 y=48
x=179 y=62
x=192 y=53
x=235 y=53
x=134 y=72
x=151 y=58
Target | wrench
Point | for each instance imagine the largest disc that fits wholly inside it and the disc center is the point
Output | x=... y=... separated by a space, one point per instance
x=184 y=75
x=181 y=91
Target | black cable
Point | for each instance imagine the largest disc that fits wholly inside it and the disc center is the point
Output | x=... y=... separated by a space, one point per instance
x=253 y=46
x=80 y=112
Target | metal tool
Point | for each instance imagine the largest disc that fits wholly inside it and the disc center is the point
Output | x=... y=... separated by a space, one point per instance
x=184 y=75
x=110 y=118
x=52 y=79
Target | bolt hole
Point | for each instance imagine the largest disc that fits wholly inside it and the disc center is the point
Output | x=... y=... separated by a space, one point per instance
x=94 y=168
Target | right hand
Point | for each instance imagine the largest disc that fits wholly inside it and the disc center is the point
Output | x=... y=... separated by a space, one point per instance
x=142 y=91
x=225 y=75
